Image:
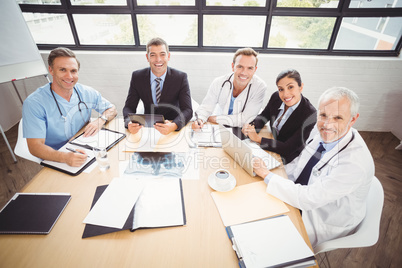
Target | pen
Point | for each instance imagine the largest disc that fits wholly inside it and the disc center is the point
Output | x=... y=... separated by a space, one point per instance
x=74 y=151
x=196 y=119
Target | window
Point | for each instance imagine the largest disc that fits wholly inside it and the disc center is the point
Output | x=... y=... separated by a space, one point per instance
x=315 y=27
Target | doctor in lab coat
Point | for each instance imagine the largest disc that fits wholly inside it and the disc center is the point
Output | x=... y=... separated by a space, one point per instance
x=333 y=202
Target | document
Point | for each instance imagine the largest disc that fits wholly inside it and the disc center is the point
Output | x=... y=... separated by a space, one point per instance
x=148 y=139
x=208 y=136
x=247 y=203
x=103 y=138
x=160 y=204
x=273 y=242
x=116 y=202
x=148 y=203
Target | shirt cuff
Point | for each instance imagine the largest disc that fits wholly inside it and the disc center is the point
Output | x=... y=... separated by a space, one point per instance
x=268 y=177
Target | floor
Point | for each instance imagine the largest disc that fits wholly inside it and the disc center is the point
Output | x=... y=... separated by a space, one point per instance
x=388 y=164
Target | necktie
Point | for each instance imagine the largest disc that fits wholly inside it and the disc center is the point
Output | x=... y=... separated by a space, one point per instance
x=158 y=89
x=305 y=174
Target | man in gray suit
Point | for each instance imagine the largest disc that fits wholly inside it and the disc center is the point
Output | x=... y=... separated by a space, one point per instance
x=162 y=89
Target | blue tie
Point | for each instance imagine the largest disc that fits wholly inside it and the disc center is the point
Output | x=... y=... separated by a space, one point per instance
x=158 y=89
x=305 y=174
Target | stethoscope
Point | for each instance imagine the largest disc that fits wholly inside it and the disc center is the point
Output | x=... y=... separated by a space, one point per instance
x=231 y=87
x=79 y=103
x=317 y=171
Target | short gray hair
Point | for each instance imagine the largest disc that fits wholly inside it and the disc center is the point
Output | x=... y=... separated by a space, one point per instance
x=157 y=41
x=337 y=93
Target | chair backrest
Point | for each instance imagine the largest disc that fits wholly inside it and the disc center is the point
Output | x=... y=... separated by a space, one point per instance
x=21 y=148
x=368 y=231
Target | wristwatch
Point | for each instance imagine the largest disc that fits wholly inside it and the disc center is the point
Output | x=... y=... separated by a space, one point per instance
x=103 y=118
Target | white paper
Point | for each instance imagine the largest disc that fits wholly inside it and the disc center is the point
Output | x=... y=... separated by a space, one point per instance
x=160 y=204
x=208 y=136
x=101 y=139
x=115 y=204
x=268 y=159
x=66 y=167
x=270 y=242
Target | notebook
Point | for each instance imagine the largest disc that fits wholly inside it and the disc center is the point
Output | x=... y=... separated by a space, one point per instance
x=32 y=213
x=244 y=151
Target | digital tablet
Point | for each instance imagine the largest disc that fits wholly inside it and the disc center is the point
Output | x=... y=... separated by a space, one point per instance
x=147 y=120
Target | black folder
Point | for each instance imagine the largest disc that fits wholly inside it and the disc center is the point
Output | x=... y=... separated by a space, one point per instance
x=95 y=230
x=30 y=213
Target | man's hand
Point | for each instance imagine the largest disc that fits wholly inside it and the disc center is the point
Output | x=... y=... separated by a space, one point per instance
x=249 y=131
x=76 y=159
x=93 y=127
x=134 y=127
x=197 y=124
x=260 y=168
x=165 y=128
x=212 y=119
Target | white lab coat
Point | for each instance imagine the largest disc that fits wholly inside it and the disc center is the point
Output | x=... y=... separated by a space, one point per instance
x=217 y=102
x=334 y=202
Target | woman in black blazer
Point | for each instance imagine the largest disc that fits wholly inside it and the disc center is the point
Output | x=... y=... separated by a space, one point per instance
x=290 y=115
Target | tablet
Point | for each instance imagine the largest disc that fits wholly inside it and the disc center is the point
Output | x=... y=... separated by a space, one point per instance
x=147 y=120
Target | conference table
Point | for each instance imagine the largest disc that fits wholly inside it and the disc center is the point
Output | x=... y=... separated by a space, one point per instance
x=202 y=242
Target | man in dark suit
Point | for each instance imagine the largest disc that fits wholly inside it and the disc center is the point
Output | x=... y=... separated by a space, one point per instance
x=162 y=89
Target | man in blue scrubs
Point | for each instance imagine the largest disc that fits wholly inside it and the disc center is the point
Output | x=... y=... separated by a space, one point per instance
x=58 y=110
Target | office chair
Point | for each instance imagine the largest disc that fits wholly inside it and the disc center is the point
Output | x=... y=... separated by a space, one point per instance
x=367 y=232
x=21 y=148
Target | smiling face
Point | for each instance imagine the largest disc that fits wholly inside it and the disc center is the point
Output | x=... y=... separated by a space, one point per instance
x=65 y=74
x=158 y=58
x=334 y=119
x=289 y=91
x=244 y=68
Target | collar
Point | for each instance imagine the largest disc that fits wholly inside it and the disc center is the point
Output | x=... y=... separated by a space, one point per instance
x=291 y=108
x=153 y=77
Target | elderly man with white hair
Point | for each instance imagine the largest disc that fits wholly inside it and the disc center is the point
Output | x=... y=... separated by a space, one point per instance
x=330 y=179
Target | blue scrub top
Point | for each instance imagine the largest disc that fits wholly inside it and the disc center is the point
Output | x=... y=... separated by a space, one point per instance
x=42 y=118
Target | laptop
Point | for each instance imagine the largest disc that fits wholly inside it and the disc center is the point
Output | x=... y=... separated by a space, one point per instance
x=244 y=151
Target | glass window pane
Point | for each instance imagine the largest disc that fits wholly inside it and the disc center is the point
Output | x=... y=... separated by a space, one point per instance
x=104 y=29
x=369 y=33
x=231 y=30
x=238 y=3
x=375 y=4
x=301 y=32
x=308 y=3
x=39 y=2
x=48 y=28
x=166 y=3
x=179 y=30
x=98 y=2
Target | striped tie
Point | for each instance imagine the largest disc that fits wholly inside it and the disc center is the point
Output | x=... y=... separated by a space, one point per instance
x=158 y=89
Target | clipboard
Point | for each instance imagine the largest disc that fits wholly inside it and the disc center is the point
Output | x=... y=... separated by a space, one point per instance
x=147 y=120
x=80 y=142
x=272 y=242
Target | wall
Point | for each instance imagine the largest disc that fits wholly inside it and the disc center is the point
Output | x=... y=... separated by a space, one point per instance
x=376 y=80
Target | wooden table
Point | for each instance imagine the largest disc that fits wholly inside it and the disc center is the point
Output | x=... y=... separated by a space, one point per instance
x=201 y=243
